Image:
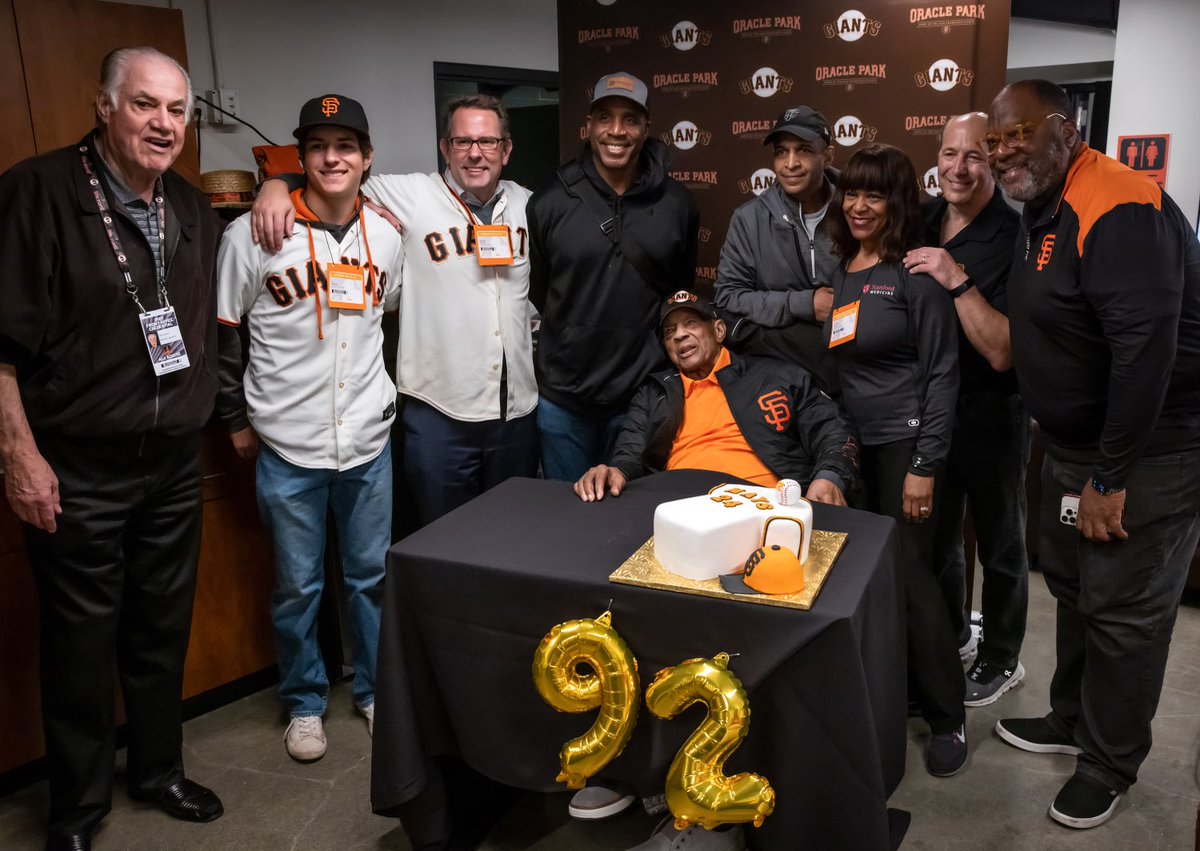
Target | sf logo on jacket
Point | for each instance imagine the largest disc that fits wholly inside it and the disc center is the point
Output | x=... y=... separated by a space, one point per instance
x=777 y=408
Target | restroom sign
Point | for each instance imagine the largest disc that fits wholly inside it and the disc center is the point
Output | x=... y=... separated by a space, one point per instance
x=1147 y=154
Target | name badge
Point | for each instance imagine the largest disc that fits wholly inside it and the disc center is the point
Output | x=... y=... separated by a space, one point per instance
x=493 y=245
x=347 y=286
x=845 y=324
x=164 y=342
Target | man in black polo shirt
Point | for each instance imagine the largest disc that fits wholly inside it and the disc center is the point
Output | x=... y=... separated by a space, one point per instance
x=990 y=445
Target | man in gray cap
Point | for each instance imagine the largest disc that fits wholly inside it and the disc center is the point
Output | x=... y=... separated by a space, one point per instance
x=773 y=278
x=611 y=237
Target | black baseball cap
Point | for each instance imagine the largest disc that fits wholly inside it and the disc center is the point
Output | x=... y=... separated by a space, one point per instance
x=332 y=110
x=690 y=300
x=802 y=121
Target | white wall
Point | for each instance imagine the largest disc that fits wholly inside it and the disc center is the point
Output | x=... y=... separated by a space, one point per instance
x=1035 y=44
x=278 y=53
x=1154 y=87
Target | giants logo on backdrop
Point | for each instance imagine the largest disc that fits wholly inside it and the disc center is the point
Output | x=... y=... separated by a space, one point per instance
x=926 y=125
x=947 y=17
x=765 y=82
x=684 y=36
x=852 y=25
x=849 y=131
x=684 y=136
x=696 y=179
x=704 y=234
x=685 y=82
x=943 y=75
x=850 y=75
x=778 y=409
x=608 y=37
x=930 y=182
x=766 y=28
x=758 y=183
x=756 y=129
x=706 y=273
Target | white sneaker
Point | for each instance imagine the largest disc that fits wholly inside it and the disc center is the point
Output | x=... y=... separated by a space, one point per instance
x=368 y=712
x=305 y=738
x=969 y=651
x=694 y=838
x=596 y=802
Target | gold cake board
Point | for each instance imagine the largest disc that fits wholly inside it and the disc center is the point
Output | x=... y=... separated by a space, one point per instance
x=642 y=569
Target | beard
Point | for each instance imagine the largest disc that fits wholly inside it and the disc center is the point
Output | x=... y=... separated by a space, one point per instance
x=1042 y=174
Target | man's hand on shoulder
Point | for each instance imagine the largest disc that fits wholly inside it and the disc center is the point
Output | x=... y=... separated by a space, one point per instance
x=937 y=264
x=32 y=489
x=593 y=485
x=1100 y=514
x=823 y=490
x=386 y=214
x=272 y=216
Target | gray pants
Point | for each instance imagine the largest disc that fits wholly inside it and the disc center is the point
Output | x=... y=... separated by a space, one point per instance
x=1116 y=607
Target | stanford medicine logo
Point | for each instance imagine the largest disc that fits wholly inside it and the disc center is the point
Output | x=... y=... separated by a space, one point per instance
x=947 y=17
x=943 y=75
x=766 y=28
x=684 y=136
x=849 y=131
x=684 y=36
x=850 y=75
x=608 y=37
x=765 y=82
x=851 y=25
x=685 y=82
x=758 y=183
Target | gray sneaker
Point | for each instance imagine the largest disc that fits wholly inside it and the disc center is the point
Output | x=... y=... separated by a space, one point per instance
x=596 y=802
x=986 y=681
x=694 y=838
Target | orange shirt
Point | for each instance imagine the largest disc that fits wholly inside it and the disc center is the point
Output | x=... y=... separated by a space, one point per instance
x=709 y=438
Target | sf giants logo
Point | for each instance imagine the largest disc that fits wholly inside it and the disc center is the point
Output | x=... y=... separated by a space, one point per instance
x=1043 y=258
x=329 y=106
x=778 y=409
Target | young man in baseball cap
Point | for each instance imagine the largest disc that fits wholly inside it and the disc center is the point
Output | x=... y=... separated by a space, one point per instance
x=315 y=404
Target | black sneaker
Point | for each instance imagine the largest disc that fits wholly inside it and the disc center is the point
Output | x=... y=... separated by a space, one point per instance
x=946 y=754
x=1083 y=803
x=986 y=681
x=1034 y=735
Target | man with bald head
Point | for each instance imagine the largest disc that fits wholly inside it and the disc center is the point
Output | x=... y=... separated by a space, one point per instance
x=109 y=261
x=1105 y=315
x=985 y=470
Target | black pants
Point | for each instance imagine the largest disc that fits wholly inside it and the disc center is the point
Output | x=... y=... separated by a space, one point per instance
x=116 y=583
x=1117 y=603
x=934 y=669
x=986 y=472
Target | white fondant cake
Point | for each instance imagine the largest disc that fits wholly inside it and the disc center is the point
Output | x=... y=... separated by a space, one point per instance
x=702 y=537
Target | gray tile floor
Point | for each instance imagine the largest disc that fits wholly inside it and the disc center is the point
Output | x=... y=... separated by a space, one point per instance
x=999 y=802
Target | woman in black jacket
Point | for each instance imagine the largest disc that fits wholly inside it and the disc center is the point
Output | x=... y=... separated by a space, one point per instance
x=893 y=338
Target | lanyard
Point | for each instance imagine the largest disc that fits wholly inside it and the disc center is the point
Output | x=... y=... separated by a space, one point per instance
x=114 y=240
x=470 y=216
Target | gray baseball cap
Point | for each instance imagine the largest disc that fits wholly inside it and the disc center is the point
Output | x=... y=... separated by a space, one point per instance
x=620 y=84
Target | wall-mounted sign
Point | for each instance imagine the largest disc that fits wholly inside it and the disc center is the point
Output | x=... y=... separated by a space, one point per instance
x=1147 y=154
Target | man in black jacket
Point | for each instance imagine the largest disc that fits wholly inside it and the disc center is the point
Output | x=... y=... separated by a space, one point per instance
x=611 y=236
x=758 y=419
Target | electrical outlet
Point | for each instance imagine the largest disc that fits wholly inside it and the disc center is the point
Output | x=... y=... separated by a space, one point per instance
x=226 y=99
x=229 y=101
x=214 y=117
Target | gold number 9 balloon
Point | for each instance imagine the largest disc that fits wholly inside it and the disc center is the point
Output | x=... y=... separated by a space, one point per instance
x=698 y=792
x=611 y=685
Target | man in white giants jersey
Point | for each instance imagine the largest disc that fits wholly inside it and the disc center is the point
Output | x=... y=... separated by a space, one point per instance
x=316 y=404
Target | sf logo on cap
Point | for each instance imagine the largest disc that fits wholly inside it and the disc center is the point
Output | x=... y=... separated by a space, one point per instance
x=329 y=106
x=681 y=297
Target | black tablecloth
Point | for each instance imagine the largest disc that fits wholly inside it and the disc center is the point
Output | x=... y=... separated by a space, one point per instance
x=469 y=597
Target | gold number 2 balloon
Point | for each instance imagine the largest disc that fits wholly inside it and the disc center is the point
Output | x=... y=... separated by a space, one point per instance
x=698 y=792
x=612 y=684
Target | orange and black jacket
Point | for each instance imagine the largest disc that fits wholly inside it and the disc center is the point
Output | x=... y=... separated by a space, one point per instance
x=1105 y=318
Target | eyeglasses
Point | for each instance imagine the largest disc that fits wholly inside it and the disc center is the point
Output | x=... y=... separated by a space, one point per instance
x=487 y=144
x=1015 y=135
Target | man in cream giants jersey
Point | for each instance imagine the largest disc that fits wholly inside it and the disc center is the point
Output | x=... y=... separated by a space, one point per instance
x=465 y=359
x=316 y=394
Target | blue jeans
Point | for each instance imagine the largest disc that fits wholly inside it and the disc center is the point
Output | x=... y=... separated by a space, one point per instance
x=295 y=502
x=573 y=443
x=1116 y=606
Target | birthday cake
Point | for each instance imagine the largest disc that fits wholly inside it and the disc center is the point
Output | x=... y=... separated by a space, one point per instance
x=703 y=537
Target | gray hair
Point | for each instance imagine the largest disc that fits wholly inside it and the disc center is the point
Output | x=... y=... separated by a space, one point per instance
x=115 y=68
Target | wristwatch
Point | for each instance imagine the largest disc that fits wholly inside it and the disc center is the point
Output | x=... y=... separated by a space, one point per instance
x=1105 y=490
x=962 y=288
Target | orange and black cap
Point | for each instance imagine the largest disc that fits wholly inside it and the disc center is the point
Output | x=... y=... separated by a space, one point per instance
x=332 y=111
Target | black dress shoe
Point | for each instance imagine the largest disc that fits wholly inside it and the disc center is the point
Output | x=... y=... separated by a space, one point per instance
x=186 y=800
x=69 y=842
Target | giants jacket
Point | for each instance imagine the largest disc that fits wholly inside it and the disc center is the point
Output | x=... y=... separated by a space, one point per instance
x=599 y=335
x=794 y=428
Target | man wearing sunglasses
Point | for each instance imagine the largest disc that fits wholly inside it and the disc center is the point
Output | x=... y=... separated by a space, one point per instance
x=1105 y=321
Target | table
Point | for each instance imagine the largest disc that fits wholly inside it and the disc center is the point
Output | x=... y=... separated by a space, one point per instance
x=469 y=597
